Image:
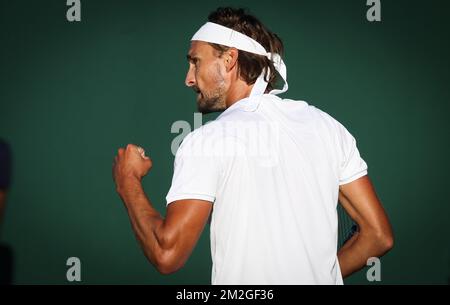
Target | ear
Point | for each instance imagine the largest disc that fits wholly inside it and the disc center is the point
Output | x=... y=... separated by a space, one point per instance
x=230 y=58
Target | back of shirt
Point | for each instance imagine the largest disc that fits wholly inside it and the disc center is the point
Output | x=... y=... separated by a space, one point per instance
x=272 y=168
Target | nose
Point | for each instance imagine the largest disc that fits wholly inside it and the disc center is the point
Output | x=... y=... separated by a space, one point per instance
x=190 y=78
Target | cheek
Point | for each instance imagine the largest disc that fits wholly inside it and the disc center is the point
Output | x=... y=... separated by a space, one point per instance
x=203 y=76
x=209 y=75
x=214 y=74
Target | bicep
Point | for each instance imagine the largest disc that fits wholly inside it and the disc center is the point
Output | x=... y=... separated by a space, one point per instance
x=360 y=201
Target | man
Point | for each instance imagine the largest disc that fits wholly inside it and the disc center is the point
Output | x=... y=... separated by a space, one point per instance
x=269 y=171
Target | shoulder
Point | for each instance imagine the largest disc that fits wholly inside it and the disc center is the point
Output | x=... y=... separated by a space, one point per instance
x=201 y=141
x=325 y=119
x=208 y=131
x=322 y=122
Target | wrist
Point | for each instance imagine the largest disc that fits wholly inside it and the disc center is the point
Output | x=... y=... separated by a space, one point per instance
x=129 y=187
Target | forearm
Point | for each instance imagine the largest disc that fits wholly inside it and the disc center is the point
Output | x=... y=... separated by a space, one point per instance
x=374 y=237
x=353 y=255
x=146 y=221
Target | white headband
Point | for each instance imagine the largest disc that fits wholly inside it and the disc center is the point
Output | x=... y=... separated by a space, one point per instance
x=219 y=34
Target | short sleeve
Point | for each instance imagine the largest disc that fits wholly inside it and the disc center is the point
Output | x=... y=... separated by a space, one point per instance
x=352 y=166
x=196 y=169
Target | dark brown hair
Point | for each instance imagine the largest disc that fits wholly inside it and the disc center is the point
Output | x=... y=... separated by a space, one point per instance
x=250 y=65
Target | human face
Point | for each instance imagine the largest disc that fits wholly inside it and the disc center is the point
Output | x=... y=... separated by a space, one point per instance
x=206 y=76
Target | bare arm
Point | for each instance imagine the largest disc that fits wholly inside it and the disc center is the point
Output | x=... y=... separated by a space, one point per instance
x=168 y=242
x=375 y=235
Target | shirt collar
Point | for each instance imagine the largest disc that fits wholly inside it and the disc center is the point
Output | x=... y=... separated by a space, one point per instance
x=248 y=104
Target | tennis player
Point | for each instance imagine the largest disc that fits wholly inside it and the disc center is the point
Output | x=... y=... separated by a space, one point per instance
x=268 y=171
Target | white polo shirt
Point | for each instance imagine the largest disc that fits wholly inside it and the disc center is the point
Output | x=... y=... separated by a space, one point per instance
x=272 y=169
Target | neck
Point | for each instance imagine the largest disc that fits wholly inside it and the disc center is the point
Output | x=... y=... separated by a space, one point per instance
x=238 y=91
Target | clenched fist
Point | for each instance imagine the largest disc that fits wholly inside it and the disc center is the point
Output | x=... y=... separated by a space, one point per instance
x=130 y=164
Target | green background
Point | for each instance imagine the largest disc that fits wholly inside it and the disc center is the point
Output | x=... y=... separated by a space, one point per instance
x=72 y=93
